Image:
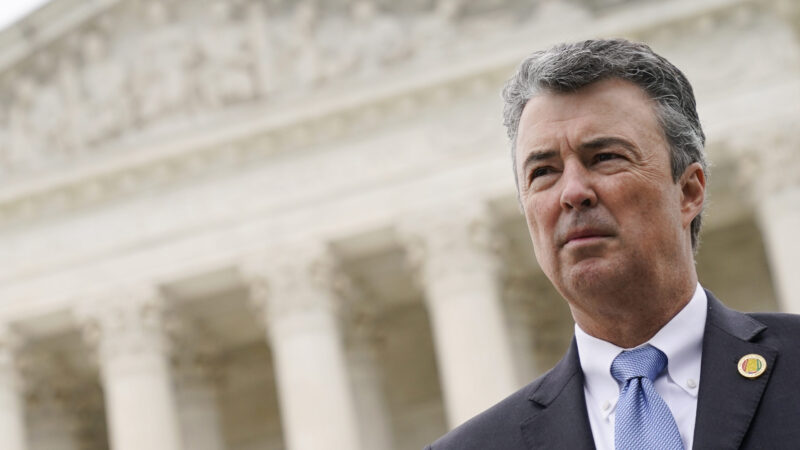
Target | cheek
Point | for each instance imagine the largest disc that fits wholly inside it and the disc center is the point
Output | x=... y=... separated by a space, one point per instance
x=654 y=210
x=539 y=238
x=540 y=222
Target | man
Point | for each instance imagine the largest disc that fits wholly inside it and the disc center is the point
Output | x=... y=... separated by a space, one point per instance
x=608 y=157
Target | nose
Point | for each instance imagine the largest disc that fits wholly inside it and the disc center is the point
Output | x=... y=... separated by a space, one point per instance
x=577 y=192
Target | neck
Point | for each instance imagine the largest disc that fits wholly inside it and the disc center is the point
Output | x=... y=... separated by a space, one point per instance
x=634 y=314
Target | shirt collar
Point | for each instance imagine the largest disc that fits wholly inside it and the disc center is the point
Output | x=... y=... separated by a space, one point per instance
x=596 y=356
x=681 y=339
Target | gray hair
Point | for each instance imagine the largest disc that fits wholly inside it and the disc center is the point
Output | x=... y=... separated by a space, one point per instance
x=566 y=68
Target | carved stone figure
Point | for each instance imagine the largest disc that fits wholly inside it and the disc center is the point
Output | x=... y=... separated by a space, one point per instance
x=300 y=50
x=24 y=142
x=226 y=68
x=376 y=39
x=47 y=116
x=433 y=30
x=259 y=28
x=105 y=107
x=161 y=84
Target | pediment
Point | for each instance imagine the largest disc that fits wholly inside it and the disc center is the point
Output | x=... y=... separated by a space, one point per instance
x=82 y=78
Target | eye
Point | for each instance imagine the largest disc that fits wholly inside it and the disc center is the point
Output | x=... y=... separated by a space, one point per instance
x=600 y=157
x=538 y=172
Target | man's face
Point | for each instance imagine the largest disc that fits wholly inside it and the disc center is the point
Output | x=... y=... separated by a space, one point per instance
x=597 y=192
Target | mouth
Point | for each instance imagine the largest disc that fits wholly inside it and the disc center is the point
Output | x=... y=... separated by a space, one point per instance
x=585 y=236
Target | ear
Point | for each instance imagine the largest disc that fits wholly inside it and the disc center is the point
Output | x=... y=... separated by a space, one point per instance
x=693 y=192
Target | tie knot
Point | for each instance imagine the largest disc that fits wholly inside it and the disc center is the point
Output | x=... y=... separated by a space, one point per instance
x=646 y=361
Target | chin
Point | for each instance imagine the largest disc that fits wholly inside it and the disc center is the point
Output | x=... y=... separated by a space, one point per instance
x=594 y=276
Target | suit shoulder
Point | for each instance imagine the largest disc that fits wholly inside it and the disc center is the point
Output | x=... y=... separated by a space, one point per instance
x=497 y=428
x=776 y=318
x=782 y=328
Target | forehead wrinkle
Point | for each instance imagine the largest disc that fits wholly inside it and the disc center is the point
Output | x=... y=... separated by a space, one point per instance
x=597 y=143
x=602 y=142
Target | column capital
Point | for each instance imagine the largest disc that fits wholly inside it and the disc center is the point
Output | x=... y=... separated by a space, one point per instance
x=293 y=279
x=46 y=380
x=123 y=321
x=457 y=240
x=362 y=335
x=196 y=363
x=770 y=162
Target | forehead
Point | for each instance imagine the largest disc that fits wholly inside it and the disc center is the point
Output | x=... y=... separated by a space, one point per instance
x=611 y=106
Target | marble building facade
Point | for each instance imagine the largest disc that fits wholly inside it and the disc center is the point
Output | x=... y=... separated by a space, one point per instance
x=289 y=224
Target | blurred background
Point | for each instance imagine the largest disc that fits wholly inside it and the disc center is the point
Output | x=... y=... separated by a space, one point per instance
x=268 y=224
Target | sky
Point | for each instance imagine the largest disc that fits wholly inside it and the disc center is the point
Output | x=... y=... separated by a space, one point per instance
x=13 y=10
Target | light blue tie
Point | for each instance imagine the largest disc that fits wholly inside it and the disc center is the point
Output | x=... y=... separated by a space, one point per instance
x=643 y=420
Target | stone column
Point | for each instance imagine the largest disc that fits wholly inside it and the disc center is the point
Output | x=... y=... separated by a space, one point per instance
x=60 y=406
x=197 y=376
x=51 y=424
x=126 y=329
x=367 y=380
x=197 y=402
x=779 y=218
x=457 y=258
x=293 y=290
x=778 y=208
x=12 y=426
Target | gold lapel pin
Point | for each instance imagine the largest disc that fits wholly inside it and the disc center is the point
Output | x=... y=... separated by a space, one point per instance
x=752 y=365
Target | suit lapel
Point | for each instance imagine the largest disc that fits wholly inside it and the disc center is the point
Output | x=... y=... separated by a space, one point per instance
x=726 y=400
x=560 y=420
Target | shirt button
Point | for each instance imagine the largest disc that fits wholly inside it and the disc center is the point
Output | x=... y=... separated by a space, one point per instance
x=691 y=384
x=606 y=405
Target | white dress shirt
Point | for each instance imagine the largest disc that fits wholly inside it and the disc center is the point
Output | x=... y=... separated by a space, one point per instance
x=681 y=339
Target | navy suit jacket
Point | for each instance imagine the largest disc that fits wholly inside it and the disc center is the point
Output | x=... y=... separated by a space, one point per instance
x=732 y=411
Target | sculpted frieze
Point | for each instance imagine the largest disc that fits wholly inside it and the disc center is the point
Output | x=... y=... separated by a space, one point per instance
x=155 y=64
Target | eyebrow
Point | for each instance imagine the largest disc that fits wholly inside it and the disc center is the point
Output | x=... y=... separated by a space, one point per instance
x=535 y=156
x=594 y=144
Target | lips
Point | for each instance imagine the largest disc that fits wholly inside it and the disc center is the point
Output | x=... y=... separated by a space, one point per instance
x=585 y=234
